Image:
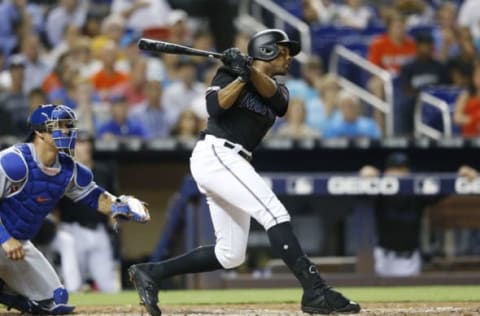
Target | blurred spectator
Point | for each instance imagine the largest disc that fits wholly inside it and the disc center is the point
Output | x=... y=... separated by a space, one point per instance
x=203 y=40
x=65 y=13
x=178 y=30
x=108 y=80
x=135 y=88
x=220 y=19
x=37 y=67
x=89 y=228
x=120 y=126
x=389 y=51
x=155 y=68
x=199 y=104
x=241 y=41
x=150 y=113
x=395 y=48
x=295 y=127
x=320 y=11
x=188 y=126
x=469 y=19
x=93 y=24
x=422 y=72
x=65 y=93
x=85 y=98
x=397 y=253
x=348 y=123
x=71 y=35
x=179 y=95
x=18 y=18
x=82 y=54
x=460 y=67
x=305 y=89
x=36 y=97
x=467 y=107
x=418 y=12
x=445 y=32
x=142 y=14
x=53 y=80
x=112 y=30
x=328 y=89
x=354 y=14
x=14 y=101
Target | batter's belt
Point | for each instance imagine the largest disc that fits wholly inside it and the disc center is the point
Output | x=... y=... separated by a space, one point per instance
x=236 y=147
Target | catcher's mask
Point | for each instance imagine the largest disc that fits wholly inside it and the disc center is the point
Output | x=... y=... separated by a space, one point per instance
x=55 y=119
x=264 y=45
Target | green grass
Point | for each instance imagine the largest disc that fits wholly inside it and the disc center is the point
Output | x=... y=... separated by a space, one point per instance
x=252 y=296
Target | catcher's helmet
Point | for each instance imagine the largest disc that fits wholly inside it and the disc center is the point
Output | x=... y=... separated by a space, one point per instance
x=54 y=119
x=264 y=45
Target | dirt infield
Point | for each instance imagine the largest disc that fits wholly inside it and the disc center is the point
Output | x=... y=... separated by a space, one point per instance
x=466 y=308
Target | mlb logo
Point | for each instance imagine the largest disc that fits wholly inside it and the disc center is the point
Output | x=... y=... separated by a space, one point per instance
x=427 y=186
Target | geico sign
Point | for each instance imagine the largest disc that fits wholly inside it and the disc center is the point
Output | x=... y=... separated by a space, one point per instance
x=359 y=185
x=464 y=186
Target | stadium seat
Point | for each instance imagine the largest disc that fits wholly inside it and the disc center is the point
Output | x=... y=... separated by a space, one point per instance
x=431 y=115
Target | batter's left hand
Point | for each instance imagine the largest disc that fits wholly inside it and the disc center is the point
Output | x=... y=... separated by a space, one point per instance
x=14 y=249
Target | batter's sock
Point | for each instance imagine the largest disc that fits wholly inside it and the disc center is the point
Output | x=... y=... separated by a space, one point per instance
x=286 y=245
x=201 y=259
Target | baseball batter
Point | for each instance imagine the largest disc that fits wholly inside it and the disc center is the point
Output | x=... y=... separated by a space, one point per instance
x=33 y=178
x=243 y=102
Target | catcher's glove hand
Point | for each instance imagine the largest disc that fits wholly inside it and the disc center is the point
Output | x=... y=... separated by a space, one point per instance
x=128 y=207
x=237 y=62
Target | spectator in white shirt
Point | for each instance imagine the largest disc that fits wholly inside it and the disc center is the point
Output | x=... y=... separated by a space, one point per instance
x=180 y=94
x=142 y=14
x=354 y=14
x=67 y=12
x=37 y=66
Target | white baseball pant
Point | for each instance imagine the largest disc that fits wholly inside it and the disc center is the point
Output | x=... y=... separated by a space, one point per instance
x=95 y=255
x=235 y=192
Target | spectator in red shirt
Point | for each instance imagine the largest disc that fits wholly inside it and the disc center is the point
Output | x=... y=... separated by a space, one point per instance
x=108 y=81
x=393 y=49
x=467 y=107
x=390 y=51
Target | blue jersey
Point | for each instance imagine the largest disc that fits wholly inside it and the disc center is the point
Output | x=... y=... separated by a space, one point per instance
x=29 y=190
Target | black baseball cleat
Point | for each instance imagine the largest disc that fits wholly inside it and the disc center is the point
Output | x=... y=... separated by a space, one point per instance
x=147 y=289
x=325 y=300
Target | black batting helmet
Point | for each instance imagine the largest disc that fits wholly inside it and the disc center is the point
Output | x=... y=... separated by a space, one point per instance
x=264 y=45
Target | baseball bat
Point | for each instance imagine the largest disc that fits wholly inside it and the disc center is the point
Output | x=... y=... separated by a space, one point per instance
x=171 y=48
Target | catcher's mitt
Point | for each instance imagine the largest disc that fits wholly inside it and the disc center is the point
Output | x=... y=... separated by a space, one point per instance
x=128 y=207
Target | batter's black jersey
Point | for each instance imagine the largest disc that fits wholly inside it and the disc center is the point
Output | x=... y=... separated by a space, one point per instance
x=249 y=118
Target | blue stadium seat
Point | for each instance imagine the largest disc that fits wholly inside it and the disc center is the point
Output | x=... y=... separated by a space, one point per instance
x=419 y=29
x=431 y=116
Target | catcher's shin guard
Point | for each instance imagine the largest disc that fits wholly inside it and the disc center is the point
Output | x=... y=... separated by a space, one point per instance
x=147 y=289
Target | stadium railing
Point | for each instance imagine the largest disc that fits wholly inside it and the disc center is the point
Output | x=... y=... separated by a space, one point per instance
x=252 y=10
x=434 y=112
x=385 y=106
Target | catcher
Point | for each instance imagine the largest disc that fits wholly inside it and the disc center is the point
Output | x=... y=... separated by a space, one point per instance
x=33 y=178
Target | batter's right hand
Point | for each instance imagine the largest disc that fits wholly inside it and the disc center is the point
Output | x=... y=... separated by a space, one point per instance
x=231 y=55
x=14 y=249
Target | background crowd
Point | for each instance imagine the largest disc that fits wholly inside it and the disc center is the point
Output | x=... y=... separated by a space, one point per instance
x=84 y=54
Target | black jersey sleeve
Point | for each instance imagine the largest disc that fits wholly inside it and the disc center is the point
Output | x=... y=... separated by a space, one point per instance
x=279 y=101
x=222 y=78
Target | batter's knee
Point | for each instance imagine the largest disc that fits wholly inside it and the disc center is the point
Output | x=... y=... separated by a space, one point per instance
x=230 y=258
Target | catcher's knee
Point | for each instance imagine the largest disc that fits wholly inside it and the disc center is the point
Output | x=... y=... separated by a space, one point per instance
x=229 y=258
